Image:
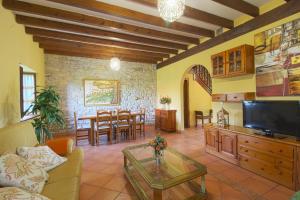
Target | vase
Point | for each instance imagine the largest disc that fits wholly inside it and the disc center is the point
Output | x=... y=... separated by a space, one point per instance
x=158 y=157
x=157 y=160
x=164 y=106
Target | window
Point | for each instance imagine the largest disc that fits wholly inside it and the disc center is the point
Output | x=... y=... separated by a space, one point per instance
x=27 y=90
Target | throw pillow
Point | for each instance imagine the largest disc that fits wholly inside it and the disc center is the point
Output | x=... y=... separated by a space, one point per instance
x=18 y=172
x=41 y=156
x=13 y=193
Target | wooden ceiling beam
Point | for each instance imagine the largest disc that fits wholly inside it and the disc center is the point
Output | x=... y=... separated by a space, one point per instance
x=97 y=56
x=196 y=14
x=65 y=27
x=89 y=51
x=73 y=44
x=241 y=6
x=93 y=40
x=110 y=9
x=283 y=11
x=93 y=21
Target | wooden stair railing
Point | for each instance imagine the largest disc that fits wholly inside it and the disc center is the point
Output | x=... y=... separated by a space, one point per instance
x=202 y=76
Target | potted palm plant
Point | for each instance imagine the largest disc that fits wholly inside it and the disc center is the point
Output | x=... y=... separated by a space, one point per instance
x=48 y=114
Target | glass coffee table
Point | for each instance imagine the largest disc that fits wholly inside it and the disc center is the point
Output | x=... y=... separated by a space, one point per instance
x=176 y=177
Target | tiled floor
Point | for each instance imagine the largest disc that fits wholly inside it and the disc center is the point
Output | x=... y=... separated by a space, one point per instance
x=103 y=177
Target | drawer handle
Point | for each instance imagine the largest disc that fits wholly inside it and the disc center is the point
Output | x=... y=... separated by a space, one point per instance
x=280 y=173
x=246 y=141
x=246 y=160
x=262 y=169
x=246 y=150
x=235 y=97
x=280 y=162
x=280 y=150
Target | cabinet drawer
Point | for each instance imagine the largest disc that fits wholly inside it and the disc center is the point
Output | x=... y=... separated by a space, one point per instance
x=238 y=97
x=272 y=148
x=276 y=162
x=282 y=176
x=218 y=97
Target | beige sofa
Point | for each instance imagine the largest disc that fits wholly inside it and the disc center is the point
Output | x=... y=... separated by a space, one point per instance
x=64 y=181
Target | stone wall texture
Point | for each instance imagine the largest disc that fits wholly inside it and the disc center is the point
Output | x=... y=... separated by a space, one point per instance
x=67 y=75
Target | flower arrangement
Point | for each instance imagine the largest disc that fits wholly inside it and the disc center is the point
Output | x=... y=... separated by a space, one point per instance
x=165 y=100
x=159 y=144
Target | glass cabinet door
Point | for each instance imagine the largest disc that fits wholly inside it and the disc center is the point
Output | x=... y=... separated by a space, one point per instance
x=235 y=61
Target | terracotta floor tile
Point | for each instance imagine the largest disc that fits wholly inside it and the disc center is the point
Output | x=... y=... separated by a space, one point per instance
x=259 y=186
x=236 y=174
x=105 y=194
x=87 y=191
x=128 y=189
x=228 y=193
x=277 y=195
x=95 y=179
x=124 y=196
x=116 y=183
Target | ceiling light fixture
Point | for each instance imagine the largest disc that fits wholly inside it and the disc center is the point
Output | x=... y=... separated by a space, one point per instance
x=115 y=64
x=171 y=10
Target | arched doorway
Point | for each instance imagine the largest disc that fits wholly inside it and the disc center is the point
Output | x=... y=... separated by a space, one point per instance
x=198 y=74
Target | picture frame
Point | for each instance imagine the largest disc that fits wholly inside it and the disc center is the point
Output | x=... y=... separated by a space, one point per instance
x=98 y=92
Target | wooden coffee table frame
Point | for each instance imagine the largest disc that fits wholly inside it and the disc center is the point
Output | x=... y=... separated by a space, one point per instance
x=157 y=186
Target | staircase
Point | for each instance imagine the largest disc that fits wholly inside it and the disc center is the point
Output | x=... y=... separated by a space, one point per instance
x=202 y=76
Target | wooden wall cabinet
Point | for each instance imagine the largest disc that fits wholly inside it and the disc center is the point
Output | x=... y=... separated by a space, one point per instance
x=275 y=159
x=237 y=61
x=165 y=120
x=233 y=97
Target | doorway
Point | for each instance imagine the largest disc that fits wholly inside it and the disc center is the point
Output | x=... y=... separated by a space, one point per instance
x=186 y=104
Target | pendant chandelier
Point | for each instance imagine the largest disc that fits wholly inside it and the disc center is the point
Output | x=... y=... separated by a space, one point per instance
x=171 y=10
x=115 y=64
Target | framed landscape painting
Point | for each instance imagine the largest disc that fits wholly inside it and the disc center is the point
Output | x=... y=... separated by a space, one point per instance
x=101 y=92
x=277 y=60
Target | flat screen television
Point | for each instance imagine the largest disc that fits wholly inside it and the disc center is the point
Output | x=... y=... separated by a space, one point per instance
x=273 y=117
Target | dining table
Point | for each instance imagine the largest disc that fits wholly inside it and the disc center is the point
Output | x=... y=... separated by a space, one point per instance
x=93 y=119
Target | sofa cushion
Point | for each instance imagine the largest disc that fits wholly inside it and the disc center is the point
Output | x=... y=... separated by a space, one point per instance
x=8 y=193
x=18 y=172
x=65 y=189
x=69 y=169
x=41 y=156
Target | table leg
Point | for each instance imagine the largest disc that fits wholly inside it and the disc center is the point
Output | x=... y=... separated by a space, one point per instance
x=157 y=194
x=134 y=127
x=203 y=188
x=125 y=161
x=92 y=122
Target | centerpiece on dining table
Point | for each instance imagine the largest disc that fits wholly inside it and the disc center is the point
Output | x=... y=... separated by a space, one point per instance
x=158 y=144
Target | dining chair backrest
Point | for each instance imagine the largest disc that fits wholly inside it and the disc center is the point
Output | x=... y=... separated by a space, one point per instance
x=123 y=117
x=104 y=119
x=210 y=112
x=75 y=121
x=142 y=115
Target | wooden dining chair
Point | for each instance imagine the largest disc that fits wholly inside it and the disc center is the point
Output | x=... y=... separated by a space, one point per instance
x=103 y=125
x=199 y=115
x=140 y=122
x=123 y=125
x=81 y=133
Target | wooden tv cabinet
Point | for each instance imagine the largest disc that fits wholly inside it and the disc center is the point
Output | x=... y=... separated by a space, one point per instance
x=273 y=158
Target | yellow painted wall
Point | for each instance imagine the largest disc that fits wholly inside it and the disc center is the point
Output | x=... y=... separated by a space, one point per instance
x=199 y=99
x=170 y=78
x=16 y=48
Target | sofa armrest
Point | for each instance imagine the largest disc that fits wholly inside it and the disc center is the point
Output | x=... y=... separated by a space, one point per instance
x=61 y=146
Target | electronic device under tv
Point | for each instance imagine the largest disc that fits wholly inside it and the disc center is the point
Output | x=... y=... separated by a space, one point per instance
x=273 y=117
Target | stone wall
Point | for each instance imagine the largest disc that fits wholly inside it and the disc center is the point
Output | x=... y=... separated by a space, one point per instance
x=67 y=74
